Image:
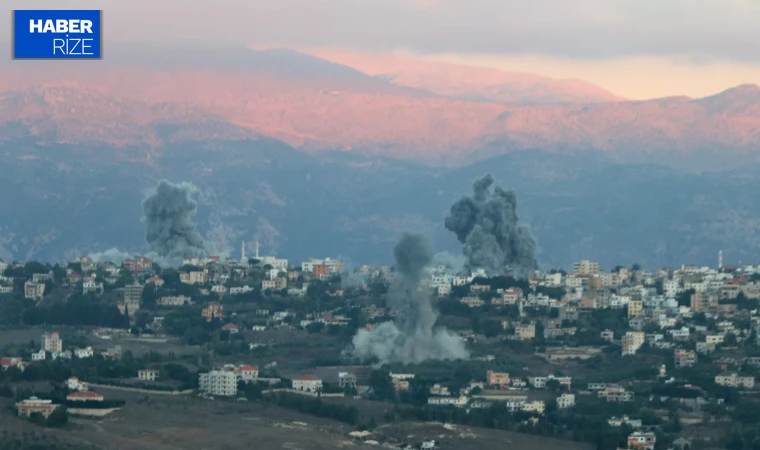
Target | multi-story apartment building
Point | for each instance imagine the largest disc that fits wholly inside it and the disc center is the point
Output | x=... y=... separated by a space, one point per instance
x=51 y=342
x=632 y=341
x=586 y=268
x=222 y=383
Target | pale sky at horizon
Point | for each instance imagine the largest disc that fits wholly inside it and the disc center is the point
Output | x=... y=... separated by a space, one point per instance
x=634 y=48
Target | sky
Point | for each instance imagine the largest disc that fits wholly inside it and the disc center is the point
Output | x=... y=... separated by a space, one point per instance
x=635 y=48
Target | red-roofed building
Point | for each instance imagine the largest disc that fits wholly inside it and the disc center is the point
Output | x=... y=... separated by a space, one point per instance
x=307 y=383
x=33 y=405
x=157 y=281
x=248 y=373
x=138 y=263
x=5 y=363
x=84 y=396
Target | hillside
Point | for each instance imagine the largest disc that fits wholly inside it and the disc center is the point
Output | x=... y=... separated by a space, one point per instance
x=469 y=82
x=316 y=106
x=87 y=198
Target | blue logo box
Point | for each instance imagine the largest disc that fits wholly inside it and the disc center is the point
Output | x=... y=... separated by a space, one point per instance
x=57 y=34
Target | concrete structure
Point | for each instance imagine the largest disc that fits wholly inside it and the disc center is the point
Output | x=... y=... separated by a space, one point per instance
x=33 y=405
x=497 y=379
x=632 y=341
x=307 y=383
x=52 y=343
x=147 y=374
x=222 y=383
x=84 y=396
x=565 y=401
x=734 y=380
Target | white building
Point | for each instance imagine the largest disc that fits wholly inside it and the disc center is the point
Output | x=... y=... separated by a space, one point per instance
x=86 y=352
x=147 y=374
x=222 y=383
x=307 y=383
x=565 y=401
x=39 y=356
x=74 y=384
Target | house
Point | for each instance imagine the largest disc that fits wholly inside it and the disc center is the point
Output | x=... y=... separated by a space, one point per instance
x=147 y=374
x=74 y=384
x=138 y=264
x=86 y=352
x=247 y=373
x=33 y=405
x=84 y=396
x=685 y=358
x=525 y=331
x=497 y=379
x=194 y=277
x=307 y=383
x=641 y=441
x=232 y=328
x=176 y=300
x=39 y=356
x=7 y=362
x=156 y=281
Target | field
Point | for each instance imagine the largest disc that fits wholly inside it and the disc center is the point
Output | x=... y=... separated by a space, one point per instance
x=173 y=423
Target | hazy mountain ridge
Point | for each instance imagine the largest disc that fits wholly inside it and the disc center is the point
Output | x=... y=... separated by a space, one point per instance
x=88 y=199
x=318 y=106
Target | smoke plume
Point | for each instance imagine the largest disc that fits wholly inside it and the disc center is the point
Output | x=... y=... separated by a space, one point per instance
x=112 y=255
x=486 y=224
x=411 y=338
x=169 y=227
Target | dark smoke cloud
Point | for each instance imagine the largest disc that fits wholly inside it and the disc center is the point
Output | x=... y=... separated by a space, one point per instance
x=411 y=338
x=169 y=227
x=487 y=225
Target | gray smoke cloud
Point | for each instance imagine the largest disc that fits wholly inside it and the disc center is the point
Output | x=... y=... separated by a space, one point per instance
x=112 y=255
x=169 y=227
x=412 y=337
x=487 y=225
x=455 y=263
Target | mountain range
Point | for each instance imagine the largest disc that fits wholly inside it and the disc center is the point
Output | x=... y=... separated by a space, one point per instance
x=336 y=153
x=431 y=113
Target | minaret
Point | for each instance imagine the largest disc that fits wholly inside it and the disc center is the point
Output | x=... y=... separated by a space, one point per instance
x=242 y=254
x=720 y=259
x=256 y=248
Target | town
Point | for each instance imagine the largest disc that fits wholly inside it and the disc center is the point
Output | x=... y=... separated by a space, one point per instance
x=610 y=359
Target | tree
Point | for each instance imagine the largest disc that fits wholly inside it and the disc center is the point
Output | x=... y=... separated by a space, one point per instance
x=58 y=418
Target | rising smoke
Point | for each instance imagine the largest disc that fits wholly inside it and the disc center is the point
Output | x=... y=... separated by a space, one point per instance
x=169 y=227
x=486 y=224
x=411 y=338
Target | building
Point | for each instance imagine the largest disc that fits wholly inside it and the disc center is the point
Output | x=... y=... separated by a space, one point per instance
x=525 y=331
x=133 y=294
x=52 y=343
x=156 y=281
x=33 y=290
x=497 y=379
x=586 y=268
x=147 y=374
x=86 y=352
x=247 y=373
x=635 y=307
x=320 y=271
x=346 y=380
x=74 y=384
x=632 y=341
x=84 y=396
x=33 y=405
x=307 y=383
x=685 y=358
x=641 y=441
x=176 y=300
x=194 y=277
x=212 y=311
x=222 y=383
x=138 y=264
x=565 y=401
x=703 y=302
x=734 y=380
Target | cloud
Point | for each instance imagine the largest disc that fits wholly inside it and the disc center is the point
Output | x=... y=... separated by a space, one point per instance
x=589 y=29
